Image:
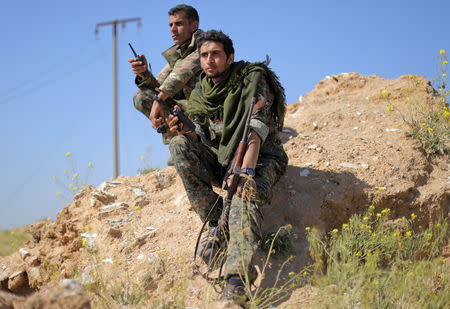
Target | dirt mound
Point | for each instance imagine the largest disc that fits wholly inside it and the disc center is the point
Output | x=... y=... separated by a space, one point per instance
x=345 y=150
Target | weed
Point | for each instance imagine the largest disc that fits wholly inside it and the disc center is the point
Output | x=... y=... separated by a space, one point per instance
x=72 y=182
x=376 y=262
x=429 y=123
x=146 y=161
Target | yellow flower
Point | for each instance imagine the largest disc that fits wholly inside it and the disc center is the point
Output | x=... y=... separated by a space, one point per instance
x=446 y=113
x=65 y=172
x=358 y=254
x=385 y=211
x=87 y=228
x=48 y=219
x=438 y=225
x=58 y=193
x=380 y=188
x=344 y=225
x=384 y=92
x=442 y=51
x=419 y=82
x=84 y=243
x=378 y=215
x=408 y=98
x=158 y=252
x=371 y=207
x=142 y=157
x=335 y=231
x=12 y=233
x=291 y=274
x=445 y=62
x=307 y=228
x=377 y=282
x=440 y=89
x=362 y=226
x=75 y=175
x=403 y=218
x=305 y=273
x=388 y=108
x=90 y=164
x=53 y=177
x=413 y=216
x=422 y=124
x=408 y=233
x=67 y=154
x=445 y=107
x=366 y=218
x=137 y=208
x=411 y=76
x=397 y=126
x=444 y=74
x=374 y=234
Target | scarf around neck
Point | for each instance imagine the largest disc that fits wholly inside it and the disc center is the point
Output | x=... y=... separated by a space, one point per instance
x=229 y=99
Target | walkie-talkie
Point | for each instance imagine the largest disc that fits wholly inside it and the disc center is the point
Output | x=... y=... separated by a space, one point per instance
x=139 y=58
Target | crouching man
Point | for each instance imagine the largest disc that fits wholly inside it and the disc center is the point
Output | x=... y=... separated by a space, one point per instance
x=219 y=105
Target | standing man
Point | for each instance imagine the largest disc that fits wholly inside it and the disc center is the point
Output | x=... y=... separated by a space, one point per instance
x=178 y=77
x=218 y=106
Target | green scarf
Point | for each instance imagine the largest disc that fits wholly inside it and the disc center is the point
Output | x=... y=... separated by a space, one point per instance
x=229 y=100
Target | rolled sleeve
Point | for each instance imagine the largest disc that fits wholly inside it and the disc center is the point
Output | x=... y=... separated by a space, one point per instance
x=260 y=128
x=182 y=72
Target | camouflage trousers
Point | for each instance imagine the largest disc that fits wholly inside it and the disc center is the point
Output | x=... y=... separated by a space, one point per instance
x=199 y=169
x=143 y=101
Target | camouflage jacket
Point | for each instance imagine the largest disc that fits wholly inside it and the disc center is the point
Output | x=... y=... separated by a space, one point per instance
x=178 y=77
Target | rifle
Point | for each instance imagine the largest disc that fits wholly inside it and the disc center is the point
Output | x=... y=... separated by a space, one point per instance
x=231 y=191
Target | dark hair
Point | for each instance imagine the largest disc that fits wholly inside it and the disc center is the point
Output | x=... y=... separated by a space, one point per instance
x=191 y=13
x=216 y=36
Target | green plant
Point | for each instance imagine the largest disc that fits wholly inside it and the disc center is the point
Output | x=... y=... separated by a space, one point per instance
x=72 y=182
x=146 y=161
x=427 y=122
x=376 y=262
x=12 y=240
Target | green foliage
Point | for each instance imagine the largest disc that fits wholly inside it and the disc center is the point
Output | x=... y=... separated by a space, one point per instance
x=146 y=161
x=376 y=262
x=71 y=182
x=428 y=123
x=11 y=241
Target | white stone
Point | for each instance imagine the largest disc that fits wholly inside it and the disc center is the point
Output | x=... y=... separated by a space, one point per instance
x=394 y=130
x=305 y=172
x=348 y=165
x=140 y=256
x=138 y=191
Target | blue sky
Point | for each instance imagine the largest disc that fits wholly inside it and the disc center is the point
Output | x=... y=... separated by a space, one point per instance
x=56 y=78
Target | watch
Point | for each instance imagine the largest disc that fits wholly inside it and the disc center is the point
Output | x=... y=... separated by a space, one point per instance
x=248 y=171
x=156 y=98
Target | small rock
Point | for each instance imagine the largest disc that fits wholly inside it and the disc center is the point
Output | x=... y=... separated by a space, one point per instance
x=138 y=191
x=348 y=165
x=394 y=130
x=365 y=166
x=114 y=231
x=23 y=253
x=17 y=280
x=34 y=277
x=140 y=256
x=305 y=172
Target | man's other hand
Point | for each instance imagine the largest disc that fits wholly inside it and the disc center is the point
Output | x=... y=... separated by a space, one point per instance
x=156 y=115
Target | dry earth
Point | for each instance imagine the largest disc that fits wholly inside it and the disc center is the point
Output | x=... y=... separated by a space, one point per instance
x=343 y=145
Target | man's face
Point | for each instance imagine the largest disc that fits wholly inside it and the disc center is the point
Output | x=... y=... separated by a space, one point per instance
x=180 y=28
x=214 y=61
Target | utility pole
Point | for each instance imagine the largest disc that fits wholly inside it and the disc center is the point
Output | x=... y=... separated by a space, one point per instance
x=114 y=23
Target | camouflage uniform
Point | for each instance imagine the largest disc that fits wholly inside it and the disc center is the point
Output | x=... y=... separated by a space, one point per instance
x=177 y=79
x=196 y=163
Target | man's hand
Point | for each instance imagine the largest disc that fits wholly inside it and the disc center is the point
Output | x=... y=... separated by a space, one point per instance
x=139 y=67
x=156 y=114
x=246 y=188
